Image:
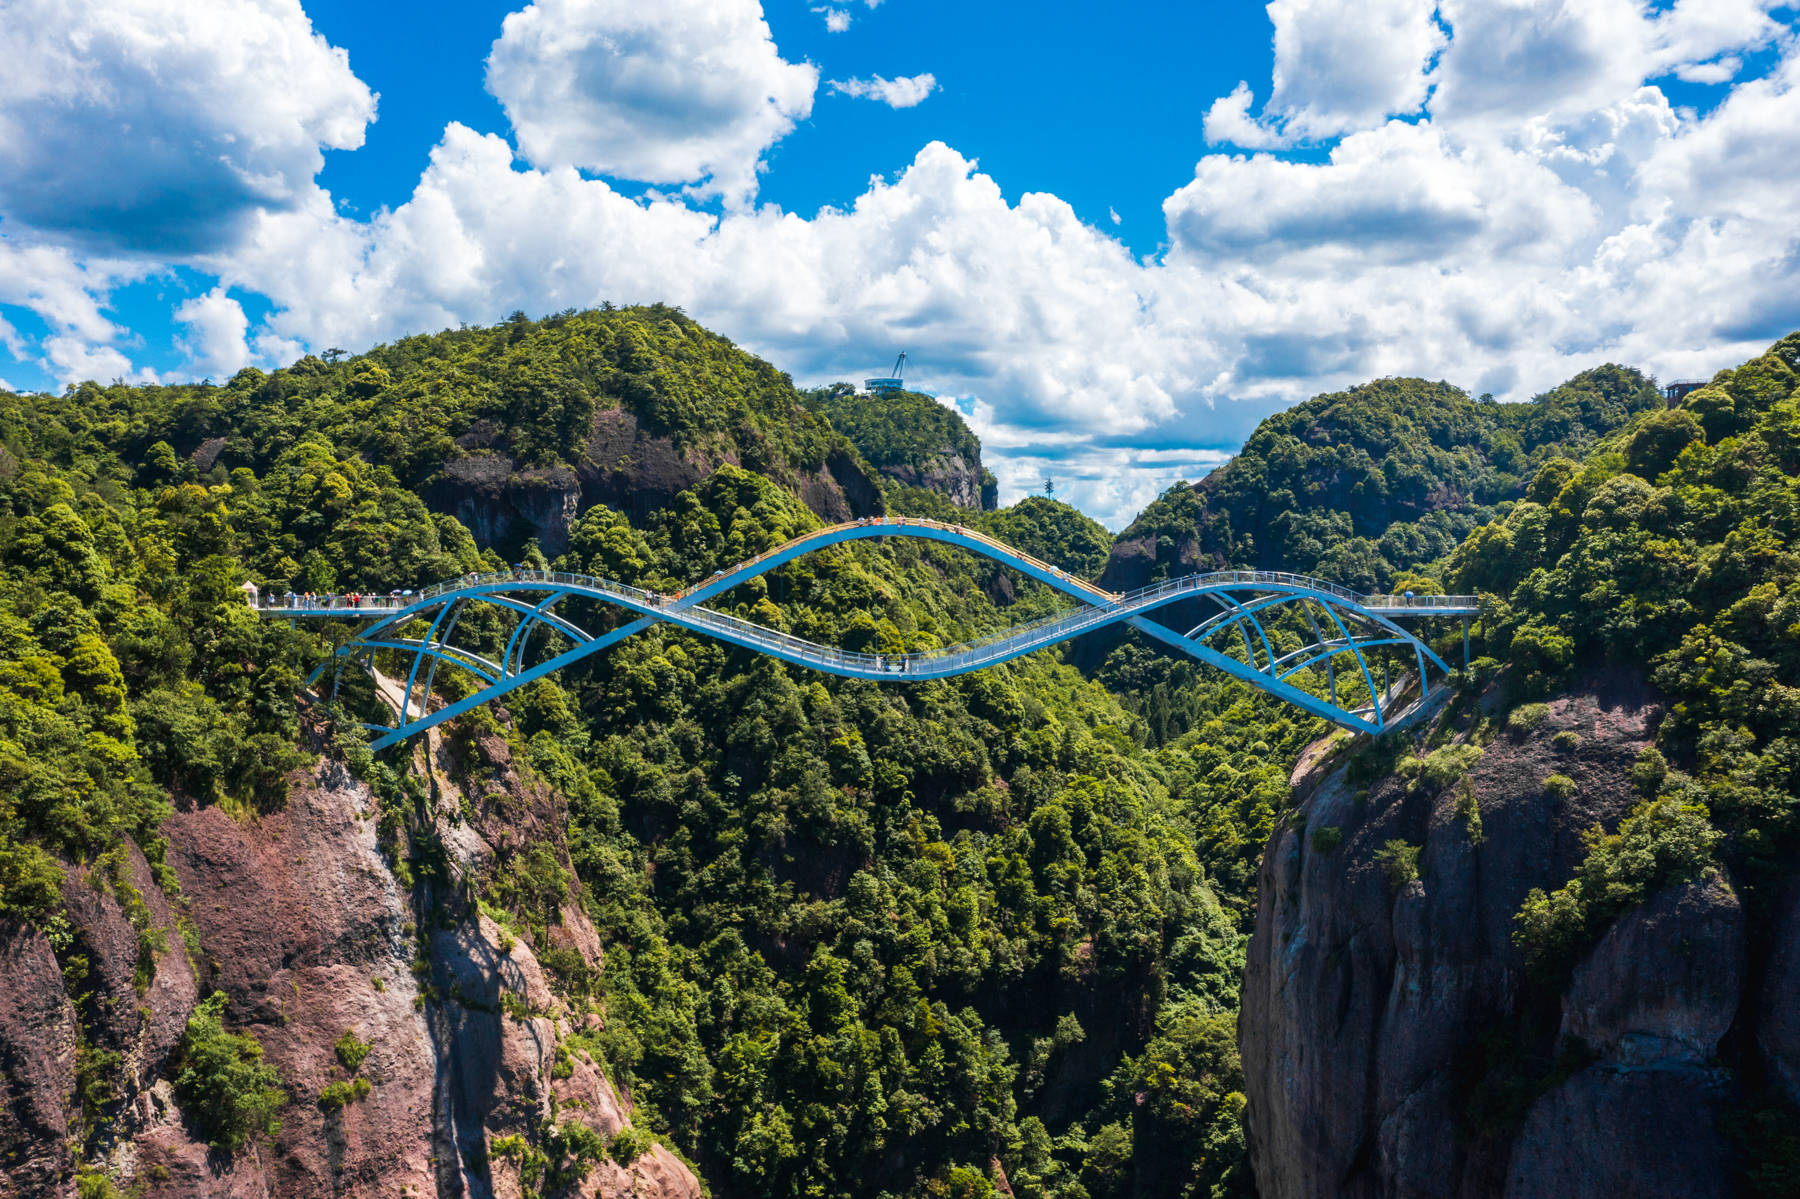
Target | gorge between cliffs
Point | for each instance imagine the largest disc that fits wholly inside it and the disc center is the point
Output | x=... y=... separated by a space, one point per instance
x=679 y=919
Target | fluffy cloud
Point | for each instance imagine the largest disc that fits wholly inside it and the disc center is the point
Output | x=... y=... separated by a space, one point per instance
x=1228 y=122
x=1340 y=66
x=1399 y=193
x=903 y=92
x=1537 y=209
x=675 y=92
x=1535 y=58
x=216 y=326
x=159 y=125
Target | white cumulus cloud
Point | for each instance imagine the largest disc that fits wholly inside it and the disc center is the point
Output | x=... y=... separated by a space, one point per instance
x=160 y=125
x=1338 y=67
x=681 y=91
x=1511 y=199
x=215 y=342
x=904 y=92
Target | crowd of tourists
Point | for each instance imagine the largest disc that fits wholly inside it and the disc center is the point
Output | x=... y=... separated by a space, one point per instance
x=312 y=601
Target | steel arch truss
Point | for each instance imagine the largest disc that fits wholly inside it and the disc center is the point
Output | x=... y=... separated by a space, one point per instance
x=1271 y=630
x=1268 y=634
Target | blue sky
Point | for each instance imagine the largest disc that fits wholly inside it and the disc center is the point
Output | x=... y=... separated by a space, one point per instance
x=1115 y=241
x=1004 y=97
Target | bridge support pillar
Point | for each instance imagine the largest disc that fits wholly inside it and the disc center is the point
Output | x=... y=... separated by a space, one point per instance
x=1465 y=643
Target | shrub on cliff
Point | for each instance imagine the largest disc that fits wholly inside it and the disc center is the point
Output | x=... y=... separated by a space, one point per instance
x=1664 y=841
x=224 y=1085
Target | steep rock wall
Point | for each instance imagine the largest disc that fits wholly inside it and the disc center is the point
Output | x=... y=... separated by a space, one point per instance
x=626 y=467
x=298 y=918
x=1392 y=1042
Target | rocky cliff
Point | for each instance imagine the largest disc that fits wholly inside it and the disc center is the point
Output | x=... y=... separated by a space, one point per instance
x=1394 y=1042
x=627 y=467
x=310 y=930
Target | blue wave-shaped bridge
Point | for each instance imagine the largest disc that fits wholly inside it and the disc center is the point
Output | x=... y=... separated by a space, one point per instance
x=1325 y=623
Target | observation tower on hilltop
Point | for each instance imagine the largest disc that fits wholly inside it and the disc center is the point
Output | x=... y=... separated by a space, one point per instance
x=890 y=383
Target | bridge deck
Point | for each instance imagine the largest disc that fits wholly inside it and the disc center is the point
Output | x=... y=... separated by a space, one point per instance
x=1339 y=621
x=370 y=607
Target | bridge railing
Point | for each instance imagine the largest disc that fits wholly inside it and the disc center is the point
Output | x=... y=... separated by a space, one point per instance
x=1109 y=602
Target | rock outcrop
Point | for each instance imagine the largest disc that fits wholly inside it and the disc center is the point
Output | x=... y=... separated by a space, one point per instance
x=1393 y=1042
x=38 y=1040
x=957 y=479
x=624 y=466
x=298 y=917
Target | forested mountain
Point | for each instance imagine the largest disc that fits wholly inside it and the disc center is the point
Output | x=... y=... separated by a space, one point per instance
x=856 y=940
x=518 y=428
x=1359 y=485
x=1563 y=932
x=681 y=915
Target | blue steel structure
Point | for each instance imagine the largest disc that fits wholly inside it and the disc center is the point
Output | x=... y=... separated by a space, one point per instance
x=1283 y=624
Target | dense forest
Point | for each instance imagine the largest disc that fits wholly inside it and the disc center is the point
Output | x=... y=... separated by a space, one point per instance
x=858 y=940
x=1362 y=485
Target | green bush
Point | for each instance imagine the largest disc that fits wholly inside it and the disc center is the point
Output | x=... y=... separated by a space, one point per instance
x=1661 y=843
x=97 y=1186
x=1399 y=861
x=339 y=1094
x=1655 y=444
x=350 y=1051
x=1560 y=786
x=1649 y=771
x=1441 y=767
x=224 y=1085
x=1566 y=742
x=1468 y=810
x=628 y=1144
x=1526 y=717
x=1327 y=837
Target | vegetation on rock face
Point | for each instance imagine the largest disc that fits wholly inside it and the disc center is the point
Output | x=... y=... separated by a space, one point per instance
x=1675 y=543
x=1692 y=568
x=910 y=438
x=224 y=1083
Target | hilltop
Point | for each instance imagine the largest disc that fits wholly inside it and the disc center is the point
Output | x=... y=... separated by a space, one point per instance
x=1360 y=485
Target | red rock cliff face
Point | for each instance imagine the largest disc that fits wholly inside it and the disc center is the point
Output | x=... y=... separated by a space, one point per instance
x=1373 y=1017
x=299 y=920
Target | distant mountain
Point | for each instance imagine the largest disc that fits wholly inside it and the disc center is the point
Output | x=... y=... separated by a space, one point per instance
x=913 y=440
x=1359 y=485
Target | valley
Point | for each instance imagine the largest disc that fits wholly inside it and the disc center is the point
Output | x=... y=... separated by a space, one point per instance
x=1100 y=920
